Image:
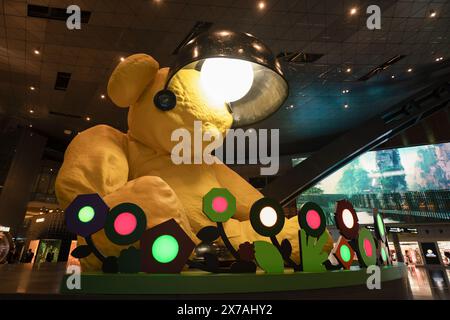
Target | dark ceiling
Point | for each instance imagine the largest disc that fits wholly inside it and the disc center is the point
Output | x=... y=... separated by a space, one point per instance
x=315 y=111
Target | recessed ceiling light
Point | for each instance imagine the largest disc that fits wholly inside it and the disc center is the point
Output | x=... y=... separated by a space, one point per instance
x=32 y=88
x=261 y=5
x=348 y=70
x=88 y=118
x=432 y=13
x=103 y=96
x=353 y=11
x=36 y=52
x=410 y=70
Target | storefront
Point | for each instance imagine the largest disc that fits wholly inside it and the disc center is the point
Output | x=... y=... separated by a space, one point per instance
x=412 y=253
x=444 y=250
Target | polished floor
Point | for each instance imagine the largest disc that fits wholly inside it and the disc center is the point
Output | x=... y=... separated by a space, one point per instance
x=23 y=280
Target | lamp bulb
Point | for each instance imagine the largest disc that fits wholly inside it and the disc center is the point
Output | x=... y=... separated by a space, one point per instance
x=225 y=79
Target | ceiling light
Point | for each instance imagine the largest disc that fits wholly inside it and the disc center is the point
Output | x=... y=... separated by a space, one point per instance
x=30 y=126
x=410 y=70
x=250 y=84
x=432 y=13
x=348 y=70
x=345 y=106
x=393 y=76
x=261 y=5
x=103 y=96
x=68 y=132
x=439 y=59
x=32 y=88
x=88 y=118
x=353 y=11
x=122 y=59
x=31 y=111
x=36 y=52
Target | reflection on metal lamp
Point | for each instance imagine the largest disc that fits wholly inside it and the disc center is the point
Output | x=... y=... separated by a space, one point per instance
x=236 y=68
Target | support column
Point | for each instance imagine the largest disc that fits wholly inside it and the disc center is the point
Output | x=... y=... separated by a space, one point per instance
x=20 y=178
x=398 y=250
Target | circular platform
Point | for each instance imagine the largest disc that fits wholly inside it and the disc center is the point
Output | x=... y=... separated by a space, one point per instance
x=202 y=283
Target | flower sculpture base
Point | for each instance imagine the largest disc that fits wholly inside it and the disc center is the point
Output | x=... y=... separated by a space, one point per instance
x=192 y=284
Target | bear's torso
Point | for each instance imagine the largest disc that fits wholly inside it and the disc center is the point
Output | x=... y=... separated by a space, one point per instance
x=189 y=181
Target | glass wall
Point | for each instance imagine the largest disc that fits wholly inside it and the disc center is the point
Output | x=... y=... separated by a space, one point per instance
x=407 y=185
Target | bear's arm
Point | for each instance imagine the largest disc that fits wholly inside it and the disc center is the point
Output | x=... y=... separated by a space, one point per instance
x=244 y=192
x=239 y=228
x=94 y=162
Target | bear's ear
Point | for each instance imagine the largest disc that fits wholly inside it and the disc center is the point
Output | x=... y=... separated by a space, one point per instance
x=130 y=78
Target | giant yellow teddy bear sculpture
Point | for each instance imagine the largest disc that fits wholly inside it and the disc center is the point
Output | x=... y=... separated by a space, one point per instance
x=137 y=167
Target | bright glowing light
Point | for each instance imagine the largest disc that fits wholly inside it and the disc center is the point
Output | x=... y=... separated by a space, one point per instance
x=353 y=11
x=383 y=254
x=380 y=225
x=103 y=96
x=165 y=248
x=86 y=214
x=261 y=5
x=220 y=204
x=36 y=52
x=32 y=88
x=225 y=79
x=368 y=247
x=122 y=59
x=347 y=217
x=88 y=118
x=268 y=216
x=410 y=70
x=125 y=223
x=432 y=14
x=348 y=70
x=313 y=219
x=345 y=253
x=31 y=111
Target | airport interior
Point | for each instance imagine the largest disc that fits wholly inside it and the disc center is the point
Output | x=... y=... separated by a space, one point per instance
x=339 y=163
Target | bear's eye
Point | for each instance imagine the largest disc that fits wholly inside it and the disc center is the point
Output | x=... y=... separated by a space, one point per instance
x=165 y=100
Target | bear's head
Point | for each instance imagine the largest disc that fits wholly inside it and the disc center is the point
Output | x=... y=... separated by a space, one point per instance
x=134 y=84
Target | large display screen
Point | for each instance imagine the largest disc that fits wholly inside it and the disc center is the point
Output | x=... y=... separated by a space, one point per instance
x=406 y=183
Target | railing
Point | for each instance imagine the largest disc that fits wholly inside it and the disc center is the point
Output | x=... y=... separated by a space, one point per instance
x=411 y=206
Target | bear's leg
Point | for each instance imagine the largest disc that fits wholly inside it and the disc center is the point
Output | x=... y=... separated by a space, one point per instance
x=156 y=199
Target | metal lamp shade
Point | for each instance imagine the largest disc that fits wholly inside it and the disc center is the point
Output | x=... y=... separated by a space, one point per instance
x=269 y=89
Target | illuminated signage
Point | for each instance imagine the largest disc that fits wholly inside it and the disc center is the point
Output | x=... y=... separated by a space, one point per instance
x=40 y=220
x=4 y=229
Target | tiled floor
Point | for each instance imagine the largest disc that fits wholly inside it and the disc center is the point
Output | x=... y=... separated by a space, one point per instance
x=44 y=279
